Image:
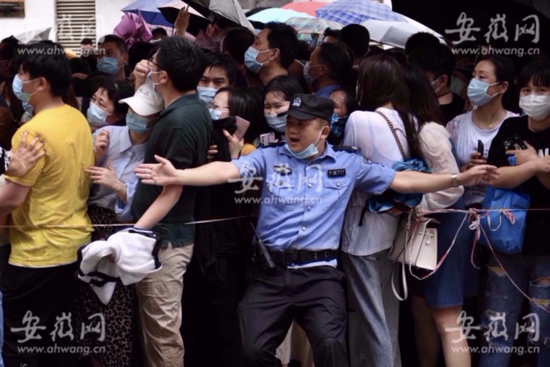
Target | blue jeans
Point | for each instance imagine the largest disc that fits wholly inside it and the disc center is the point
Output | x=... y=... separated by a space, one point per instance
x=373 y=316
x=502 y=321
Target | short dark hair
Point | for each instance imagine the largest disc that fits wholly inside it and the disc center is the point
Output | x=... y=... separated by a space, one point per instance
x=140 y=51
x=538 y=71
x=117 y=90
x=420 y=39
x=86 y=41
x=304 y=51
x=337 y=58
x=47 y=61
x=438 y=60
x=505 y=69
x=283 y=37
x=356 y=37
x=283 y=86
x=247 y=103
x=224 y=62
x=236 y=42
x=329 y=32
x=183 y=61
x=350 y=98
x=120 y=44
x=159 y=32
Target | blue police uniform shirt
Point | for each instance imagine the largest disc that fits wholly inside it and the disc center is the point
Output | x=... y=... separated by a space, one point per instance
x=303 y=202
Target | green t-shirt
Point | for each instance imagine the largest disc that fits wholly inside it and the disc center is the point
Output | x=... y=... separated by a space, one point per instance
x=182 y=135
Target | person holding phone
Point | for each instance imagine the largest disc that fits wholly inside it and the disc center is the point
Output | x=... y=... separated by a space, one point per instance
x=491 y=80
x=530 y=269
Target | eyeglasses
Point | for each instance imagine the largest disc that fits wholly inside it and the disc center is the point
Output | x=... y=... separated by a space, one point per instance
x=150 y=61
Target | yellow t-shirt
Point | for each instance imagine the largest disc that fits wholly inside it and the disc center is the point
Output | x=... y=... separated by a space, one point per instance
x=59 y=189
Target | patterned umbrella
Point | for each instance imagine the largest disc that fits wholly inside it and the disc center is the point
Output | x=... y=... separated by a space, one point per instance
x=312 y=25
x=308 y=7
x=276 y=15
x=357 y=11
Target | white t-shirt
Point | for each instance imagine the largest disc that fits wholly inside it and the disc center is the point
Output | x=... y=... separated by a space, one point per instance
x=371 y=133
x=465 y=135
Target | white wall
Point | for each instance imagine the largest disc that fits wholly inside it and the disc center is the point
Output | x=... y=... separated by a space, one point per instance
x=108 y=15
x=39 y=14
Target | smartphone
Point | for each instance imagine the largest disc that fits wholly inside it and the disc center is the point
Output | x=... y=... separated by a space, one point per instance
x=242 y=127
x=480 y=149
x=515 y=143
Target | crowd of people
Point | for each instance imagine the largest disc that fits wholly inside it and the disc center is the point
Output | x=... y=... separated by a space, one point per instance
x=253 y=161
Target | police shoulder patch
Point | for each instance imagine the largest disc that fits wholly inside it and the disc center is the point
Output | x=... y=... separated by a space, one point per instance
x=346 y=148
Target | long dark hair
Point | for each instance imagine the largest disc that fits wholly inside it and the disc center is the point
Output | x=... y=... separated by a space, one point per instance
x=381 y=81
x=424 y=104
x=248 y=104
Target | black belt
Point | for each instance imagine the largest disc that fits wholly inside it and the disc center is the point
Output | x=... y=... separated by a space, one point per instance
x=286 y=258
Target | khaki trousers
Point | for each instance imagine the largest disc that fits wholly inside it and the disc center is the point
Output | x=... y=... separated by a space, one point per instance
x=159 y=297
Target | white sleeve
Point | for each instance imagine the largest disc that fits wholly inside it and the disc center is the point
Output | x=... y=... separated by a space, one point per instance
x=358 y=134
x=437 y=150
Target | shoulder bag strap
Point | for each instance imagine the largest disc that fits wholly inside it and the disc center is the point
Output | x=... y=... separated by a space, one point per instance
x=394 y=132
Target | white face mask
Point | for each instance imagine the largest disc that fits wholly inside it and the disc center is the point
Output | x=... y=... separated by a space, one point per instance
x=536 y=106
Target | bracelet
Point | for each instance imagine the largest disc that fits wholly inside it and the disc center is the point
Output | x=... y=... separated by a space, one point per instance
x=454 y=180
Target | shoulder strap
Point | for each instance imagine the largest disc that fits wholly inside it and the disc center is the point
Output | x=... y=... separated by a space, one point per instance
x=394 y=132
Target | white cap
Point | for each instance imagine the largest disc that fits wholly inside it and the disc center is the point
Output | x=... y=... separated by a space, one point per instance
x=145 y=101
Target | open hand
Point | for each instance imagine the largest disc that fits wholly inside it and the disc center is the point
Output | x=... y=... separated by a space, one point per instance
x=26 y=156
x=182 y=21
x=162 y=174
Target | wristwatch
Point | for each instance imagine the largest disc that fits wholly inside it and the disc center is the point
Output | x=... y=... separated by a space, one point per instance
x=454 y=180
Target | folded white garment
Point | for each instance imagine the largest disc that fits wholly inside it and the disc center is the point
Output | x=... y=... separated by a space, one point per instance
x=134 y=258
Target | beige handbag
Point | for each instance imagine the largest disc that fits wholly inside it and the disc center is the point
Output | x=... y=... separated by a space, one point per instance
x=415 y=245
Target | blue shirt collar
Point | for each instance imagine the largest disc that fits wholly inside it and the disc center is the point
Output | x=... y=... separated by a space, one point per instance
x=125 y=141
x=327 y=91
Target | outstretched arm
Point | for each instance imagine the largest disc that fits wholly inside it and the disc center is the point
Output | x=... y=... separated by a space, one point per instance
x=164 y=174
x=415 y=182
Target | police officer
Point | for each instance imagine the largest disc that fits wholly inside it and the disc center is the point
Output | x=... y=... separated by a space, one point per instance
x=306 y=184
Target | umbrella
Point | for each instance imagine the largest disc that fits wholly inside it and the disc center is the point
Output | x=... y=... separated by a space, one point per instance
x=34 y=36
x=277 y=15
x=308 y=7
x=228 y=9
x=392 y=33
x=149 y=11
x=357 y=11
x=312 y=25
x=170 y=11
x=541 y=5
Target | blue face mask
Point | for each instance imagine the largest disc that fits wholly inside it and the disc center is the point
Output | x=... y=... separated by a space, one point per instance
x=310 y=151
x=108 y=65
x=150 y=79
x=206 y=94
x=17 y=86
x=250 y=60
x=215 y=114
x=96 y=116
x=136 y=123
x=277 y=122
x=477 y=92
x=308 y=78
